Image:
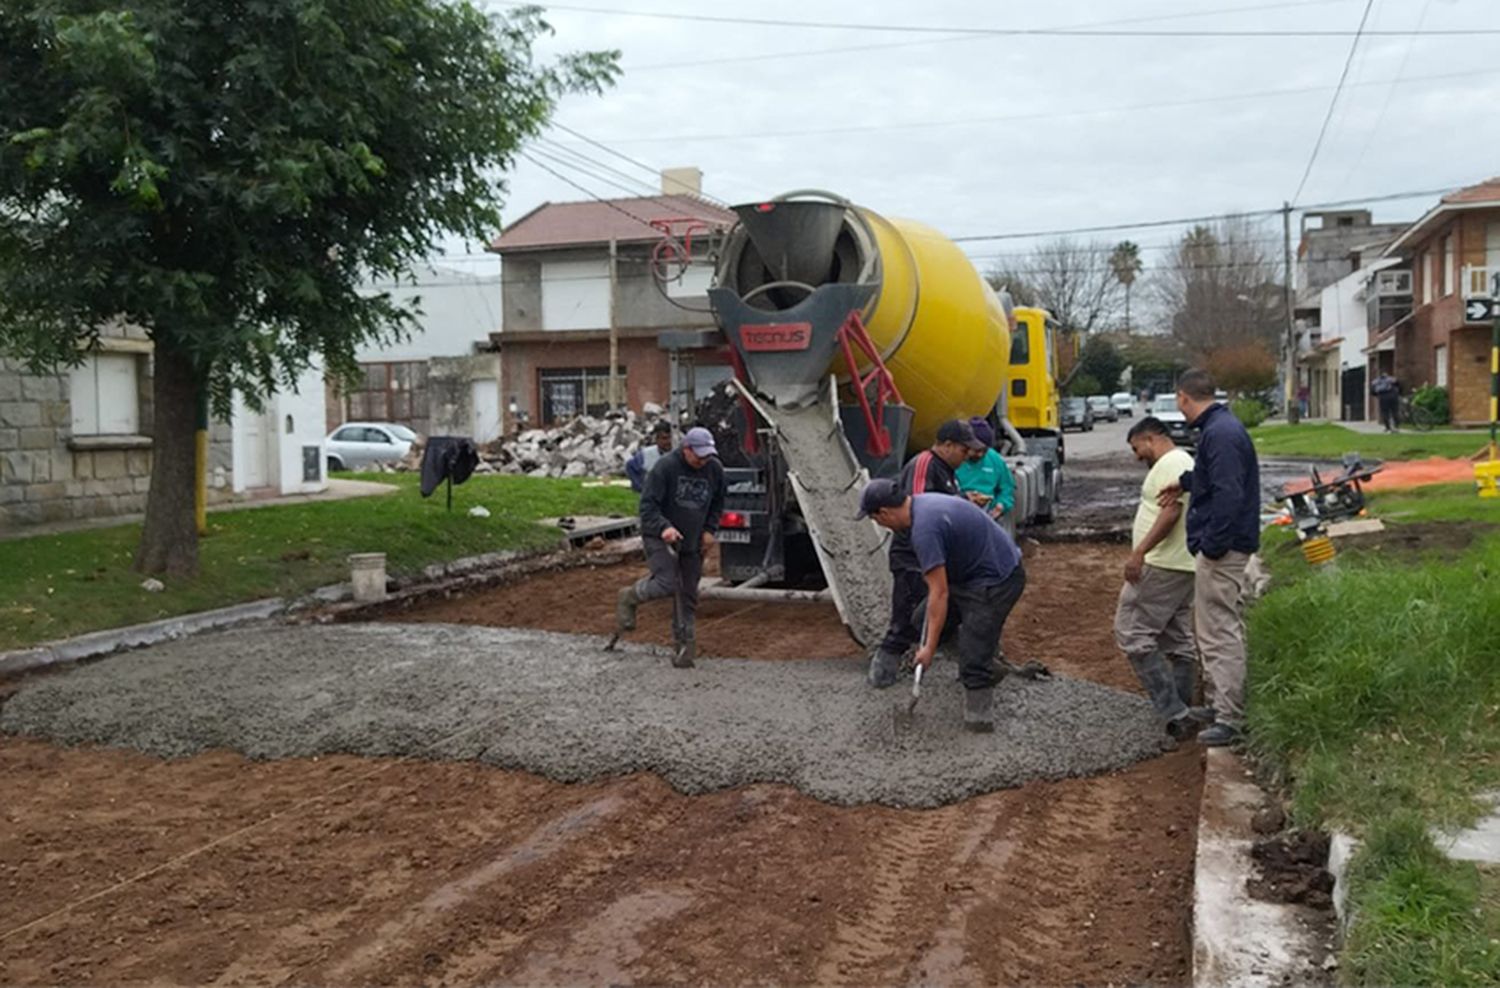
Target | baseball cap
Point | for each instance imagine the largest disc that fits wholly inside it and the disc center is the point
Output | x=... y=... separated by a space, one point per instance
x=700 y=441
x=956 y=431
x=879 y=494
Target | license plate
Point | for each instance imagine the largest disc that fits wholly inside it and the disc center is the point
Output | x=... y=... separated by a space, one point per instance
x=726 y=535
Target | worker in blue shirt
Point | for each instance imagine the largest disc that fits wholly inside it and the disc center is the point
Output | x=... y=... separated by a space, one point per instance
x=1223 y=531
x=984 y=478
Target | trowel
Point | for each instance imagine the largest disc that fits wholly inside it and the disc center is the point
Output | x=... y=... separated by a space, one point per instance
x=905 y=710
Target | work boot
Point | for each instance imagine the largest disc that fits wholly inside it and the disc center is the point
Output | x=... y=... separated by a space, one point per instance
x=885 y=669
x=625 y=606
x=979 y=710
x=1219 y=735
x=683 y=654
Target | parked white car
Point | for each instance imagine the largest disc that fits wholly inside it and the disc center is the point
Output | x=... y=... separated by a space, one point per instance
x=1124 y=403
x=1165 y=409
x=359 y=444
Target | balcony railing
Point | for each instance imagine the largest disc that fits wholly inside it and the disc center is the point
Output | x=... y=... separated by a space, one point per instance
x=1479 y=282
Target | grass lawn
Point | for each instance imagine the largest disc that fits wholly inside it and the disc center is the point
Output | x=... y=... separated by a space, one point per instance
x=1324 y=440
x=54 y=586
x=1376 y=697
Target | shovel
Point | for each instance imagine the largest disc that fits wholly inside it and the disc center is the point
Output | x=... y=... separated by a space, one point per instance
x=680 y=657
x=905 y=710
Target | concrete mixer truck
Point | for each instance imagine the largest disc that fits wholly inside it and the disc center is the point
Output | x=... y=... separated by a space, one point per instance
x=853 y=338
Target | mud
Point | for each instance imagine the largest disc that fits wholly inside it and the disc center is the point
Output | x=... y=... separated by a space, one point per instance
x=358 y=871
x=559 y=706
x=1408 y=542
x=1293 y=868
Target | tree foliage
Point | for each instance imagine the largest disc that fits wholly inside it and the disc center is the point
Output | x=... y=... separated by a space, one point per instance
x=1220 y=288
x=1245 y=368
x=226 y=173
x=1102 y=361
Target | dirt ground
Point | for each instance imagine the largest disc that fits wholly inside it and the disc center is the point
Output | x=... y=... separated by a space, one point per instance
x=359 y=870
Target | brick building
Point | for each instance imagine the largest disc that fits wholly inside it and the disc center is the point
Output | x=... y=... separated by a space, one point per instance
x=1454 y=250
x=562 y=284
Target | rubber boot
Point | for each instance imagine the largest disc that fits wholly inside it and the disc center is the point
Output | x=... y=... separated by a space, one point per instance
x=979 y=710
x=885 y=669
x=625 y=606
x=683 y=654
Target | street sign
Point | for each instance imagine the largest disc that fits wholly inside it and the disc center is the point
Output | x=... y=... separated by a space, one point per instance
x=1480 y=309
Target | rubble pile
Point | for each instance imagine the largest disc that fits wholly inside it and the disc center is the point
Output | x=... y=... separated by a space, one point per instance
x=586 y=446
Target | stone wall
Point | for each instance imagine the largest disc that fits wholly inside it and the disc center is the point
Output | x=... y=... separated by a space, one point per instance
x=47 y=473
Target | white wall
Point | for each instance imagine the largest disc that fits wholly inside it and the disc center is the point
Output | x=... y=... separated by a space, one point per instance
x=1344 y=312
x=459 y=309
x=276 y=436
x=575 y=294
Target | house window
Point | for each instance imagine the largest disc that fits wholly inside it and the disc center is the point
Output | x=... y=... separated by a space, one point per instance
x=575 y=294
x=568 y=392
x=1448 y=265
x=1427 y=295
x=105 y=396
x=1440 y=372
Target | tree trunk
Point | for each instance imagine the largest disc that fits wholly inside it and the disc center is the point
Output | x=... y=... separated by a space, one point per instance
x=1127 y=308
x=169 y=539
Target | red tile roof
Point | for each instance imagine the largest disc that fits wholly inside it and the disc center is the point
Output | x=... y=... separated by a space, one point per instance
x=1486 y=191
x=569 y=224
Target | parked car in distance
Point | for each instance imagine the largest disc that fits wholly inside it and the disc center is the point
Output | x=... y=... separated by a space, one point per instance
x=1103 y=408
x=1124 y=403
x=359 y=444
x=1165 y=409
x=1076 y=414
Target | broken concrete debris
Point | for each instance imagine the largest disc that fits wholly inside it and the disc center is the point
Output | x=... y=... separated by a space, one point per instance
x=587 y=446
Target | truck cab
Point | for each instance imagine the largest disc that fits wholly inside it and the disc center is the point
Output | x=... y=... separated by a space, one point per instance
x=1031 y=403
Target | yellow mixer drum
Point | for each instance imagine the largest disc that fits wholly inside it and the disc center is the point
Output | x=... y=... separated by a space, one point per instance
x=938 y=326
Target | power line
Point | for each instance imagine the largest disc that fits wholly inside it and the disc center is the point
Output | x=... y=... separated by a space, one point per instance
x=886 y=45
x=1031 y=115
x=1078 y=32
x=1333 y=103
x=627 y=158
x=1389 y=93
x=632 y=192
x=1186 y=220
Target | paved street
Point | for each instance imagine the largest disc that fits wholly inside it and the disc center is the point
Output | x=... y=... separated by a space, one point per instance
x=1108 y=438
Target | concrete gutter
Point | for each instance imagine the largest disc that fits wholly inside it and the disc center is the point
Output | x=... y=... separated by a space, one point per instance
x=330 y=602
x=1239 y=940
x=97 y=643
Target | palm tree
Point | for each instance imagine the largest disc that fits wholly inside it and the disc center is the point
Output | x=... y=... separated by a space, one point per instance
x=1125 y=260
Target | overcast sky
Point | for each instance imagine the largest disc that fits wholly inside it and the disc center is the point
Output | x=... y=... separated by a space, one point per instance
x=994 y=134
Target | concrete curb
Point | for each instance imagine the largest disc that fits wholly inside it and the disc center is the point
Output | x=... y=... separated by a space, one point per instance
x=1239 y=940
x=438 y=577
x=97 y=643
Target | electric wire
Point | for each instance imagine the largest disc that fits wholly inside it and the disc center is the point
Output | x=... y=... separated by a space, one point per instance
x=1333 y=103
x=1020 y=32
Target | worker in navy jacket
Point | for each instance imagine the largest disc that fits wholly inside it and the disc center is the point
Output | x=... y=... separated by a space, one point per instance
x=1223 y=531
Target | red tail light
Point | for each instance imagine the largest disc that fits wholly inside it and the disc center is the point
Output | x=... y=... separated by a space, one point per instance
x=733 y=519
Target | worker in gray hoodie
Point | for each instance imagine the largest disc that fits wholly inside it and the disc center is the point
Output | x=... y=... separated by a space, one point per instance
x=680 y=507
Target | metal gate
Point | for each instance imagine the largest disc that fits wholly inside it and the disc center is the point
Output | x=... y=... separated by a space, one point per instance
x=1355 y=396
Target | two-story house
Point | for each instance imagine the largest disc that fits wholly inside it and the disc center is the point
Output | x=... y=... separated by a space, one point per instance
x=1338 y=257
x=572 y=272
x=1454 y=250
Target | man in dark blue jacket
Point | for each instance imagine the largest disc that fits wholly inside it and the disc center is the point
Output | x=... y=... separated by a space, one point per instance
x=1223 y=530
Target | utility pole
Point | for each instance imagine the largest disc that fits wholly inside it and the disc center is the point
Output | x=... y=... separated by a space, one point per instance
x=614 y=327
x=1293 y=413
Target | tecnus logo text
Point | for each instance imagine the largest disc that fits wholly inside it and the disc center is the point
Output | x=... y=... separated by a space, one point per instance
x=762 y=337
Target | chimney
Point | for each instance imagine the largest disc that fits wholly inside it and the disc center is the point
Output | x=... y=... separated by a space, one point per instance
x=681 y=182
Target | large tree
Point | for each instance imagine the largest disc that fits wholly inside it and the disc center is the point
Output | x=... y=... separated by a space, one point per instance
x=1220 y=288
x=226 y=173
x=1125 y=263
x=1072 y=280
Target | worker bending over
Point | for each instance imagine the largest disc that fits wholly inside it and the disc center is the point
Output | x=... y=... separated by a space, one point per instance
x=966 y=559
x=929 y=472
x=680 y=506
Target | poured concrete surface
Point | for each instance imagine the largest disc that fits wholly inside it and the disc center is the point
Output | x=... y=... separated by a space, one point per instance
x=557 y=705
